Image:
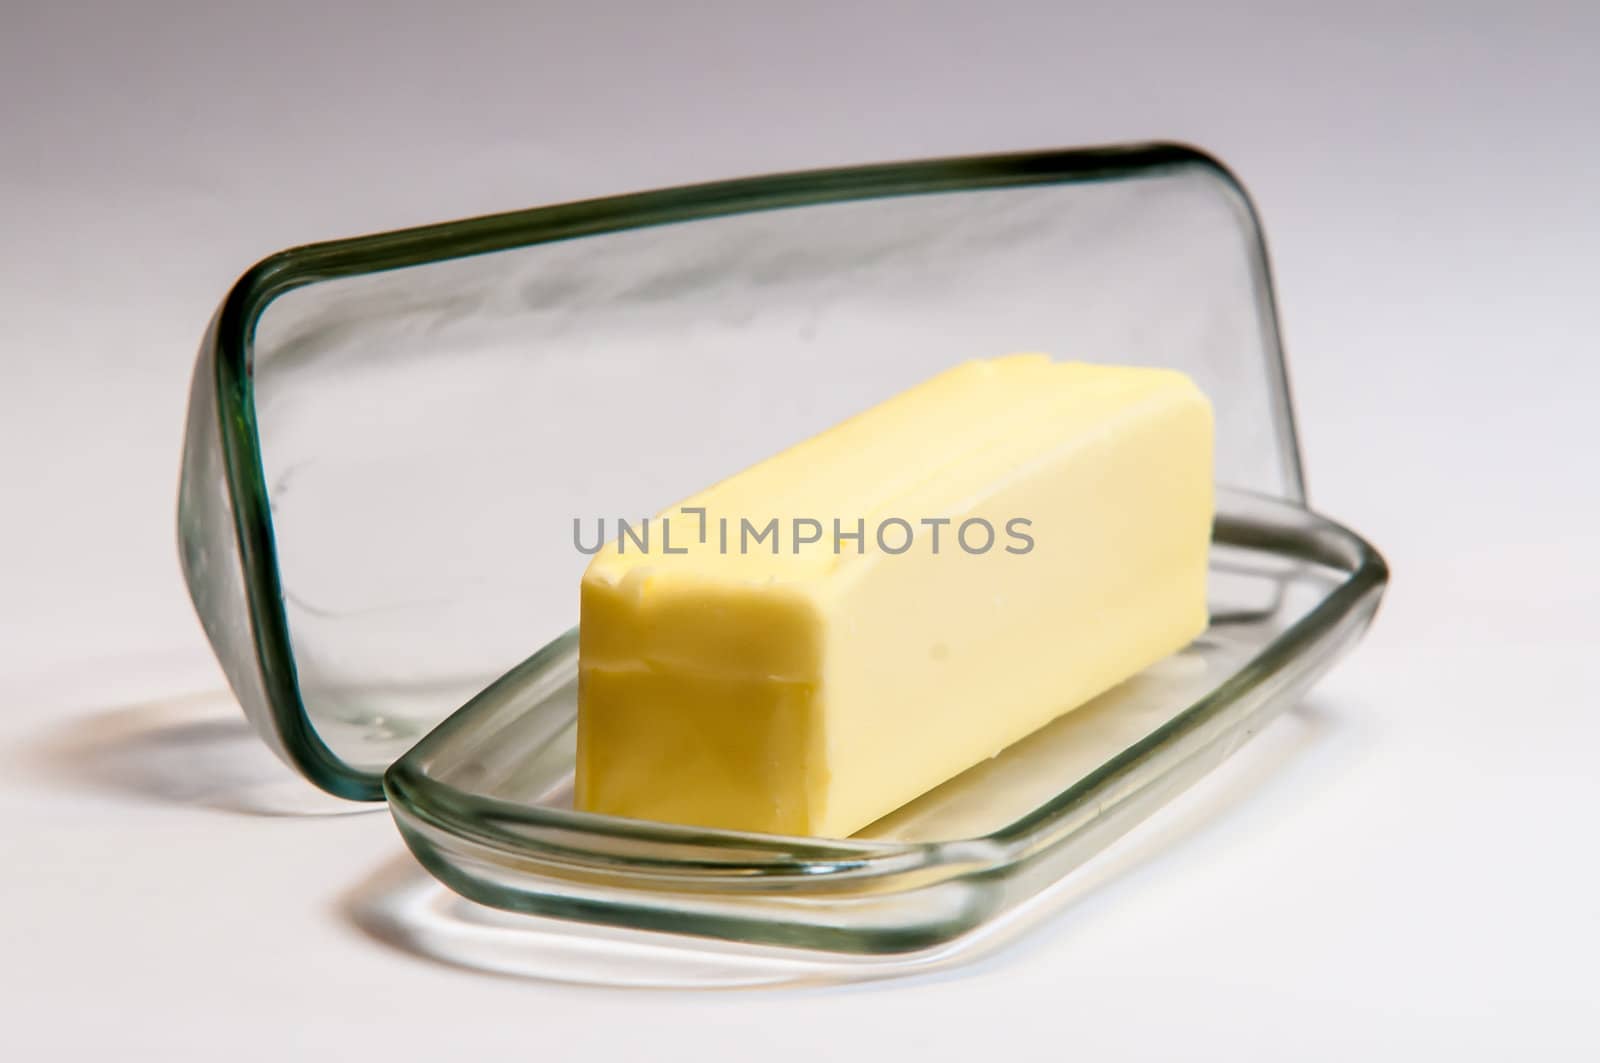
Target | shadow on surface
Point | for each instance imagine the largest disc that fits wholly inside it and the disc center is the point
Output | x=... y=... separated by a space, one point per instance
x=403 y=907
x=191 y=749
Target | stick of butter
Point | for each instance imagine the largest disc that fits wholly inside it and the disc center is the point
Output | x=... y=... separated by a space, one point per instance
x=813 y=642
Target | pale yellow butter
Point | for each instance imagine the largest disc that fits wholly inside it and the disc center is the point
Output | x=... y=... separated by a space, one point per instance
x=768 y=682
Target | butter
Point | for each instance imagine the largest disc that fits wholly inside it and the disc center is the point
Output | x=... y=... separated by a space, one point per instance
x=813 y=642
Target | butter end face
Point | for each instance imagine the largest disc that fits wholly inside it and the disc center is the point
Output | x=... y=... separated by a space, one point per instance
x=698 y=703
x=698 y=749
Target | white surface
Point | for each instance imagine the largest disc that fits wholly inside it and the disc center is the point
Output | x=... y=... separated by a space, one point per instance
x=1405 y=866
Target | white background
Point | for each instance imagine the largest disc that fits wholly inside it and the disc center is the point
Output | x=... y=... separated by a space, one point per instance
x=1405 y=865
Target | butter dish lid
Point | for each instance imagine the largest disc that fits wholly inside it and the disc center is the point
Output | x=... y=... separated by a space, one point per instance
x=398 y=444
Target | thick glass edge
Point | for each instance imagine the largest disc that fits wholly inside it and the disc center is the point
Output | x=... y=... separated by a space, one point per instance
x=208 y=549
x=826 y=864
x=281 y=272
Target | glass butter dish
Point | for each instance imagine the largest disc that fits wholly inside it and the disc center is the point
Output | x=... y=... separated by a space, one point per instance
x=394 y=439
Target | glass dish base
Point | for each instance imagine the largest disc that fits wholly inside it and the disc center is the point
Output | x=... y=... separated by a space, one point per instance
x=484 y=801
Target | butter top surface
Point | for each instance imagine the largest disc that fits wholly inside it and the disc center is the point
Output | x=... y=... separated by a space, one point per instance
x=911 y=457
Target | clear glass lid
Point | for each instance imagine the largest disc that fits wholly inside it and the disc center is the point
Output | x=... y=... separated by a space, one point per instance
x=392 y=437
